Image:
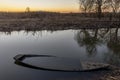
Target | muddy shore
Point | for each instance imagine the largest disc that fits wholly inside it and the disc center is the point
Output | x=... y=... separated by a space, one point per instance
x=113 y=74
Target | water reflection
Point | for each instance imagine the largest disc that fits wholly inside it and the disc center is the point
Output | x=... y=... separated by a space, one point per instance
x=100 y=44
x=88 y=39
x=96 y=45
x=114 y=41
x=91 y=39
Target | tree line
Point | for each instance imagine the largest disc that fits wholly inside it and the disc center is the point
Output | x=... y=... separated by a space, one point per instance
x=100 y=6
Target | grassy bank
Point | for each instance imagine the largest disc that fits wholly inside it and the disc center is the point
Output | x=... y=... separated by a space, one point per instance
x=55 y=23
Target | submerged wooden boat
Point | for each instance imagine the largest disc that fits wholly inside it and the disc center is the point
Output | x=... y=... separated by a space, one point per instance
x=53 y=63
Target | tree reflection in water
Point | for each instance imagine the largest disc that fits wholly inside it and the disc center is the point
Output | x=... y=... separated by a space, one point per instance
x=114 y=41
x=91 y=39
x=88 y=39
x=113 y=45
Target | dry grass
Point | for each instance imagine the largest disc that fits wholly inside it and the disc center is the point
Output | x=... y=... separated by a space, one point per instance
x=52 y=21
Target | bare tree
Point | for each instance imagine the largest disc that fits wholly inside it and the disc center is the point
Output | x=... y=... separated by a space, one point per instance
x=115 y=5
x=100 y=6
x=94 y=5
x=86 y=5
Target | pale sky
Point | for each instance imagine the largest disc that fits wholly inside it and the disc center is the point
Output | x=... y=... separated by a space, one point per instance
x=37 y=5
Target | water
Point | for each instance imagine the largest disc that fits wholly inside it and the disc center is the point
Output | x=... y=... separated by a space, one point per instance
x=101 y=45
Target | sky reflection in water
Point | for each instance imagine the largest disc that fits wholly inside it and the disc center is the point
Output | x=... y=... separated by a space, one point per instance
x=101 y=45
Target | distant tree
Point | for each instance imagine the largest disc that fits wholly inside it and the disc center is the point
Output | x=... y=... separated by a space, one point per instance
x=27 y=9
x=86 y=5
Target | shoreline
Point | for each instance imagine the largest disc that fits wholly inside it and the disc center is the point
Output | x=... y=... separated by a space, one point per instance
x=113 y=74
x=34 y=24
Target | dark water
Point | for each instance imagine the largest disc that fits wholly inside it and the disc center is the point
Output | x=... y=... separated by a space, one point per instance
x=101 y=45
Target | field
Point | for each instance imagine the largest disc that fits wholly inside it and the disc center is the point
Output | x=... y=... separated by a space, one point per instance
x=54 y=21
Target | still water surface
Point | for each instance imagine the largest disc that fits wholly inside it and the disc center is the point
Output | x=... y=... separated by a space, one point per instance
x=98 y=45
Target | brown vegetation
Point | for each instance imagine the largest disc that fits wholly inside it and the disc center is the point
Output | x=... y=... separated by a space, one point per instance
x=54 y=21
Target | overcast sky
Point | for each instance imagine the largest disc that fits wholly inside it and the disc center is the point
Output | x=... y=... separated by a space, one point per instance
x=44 y=5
